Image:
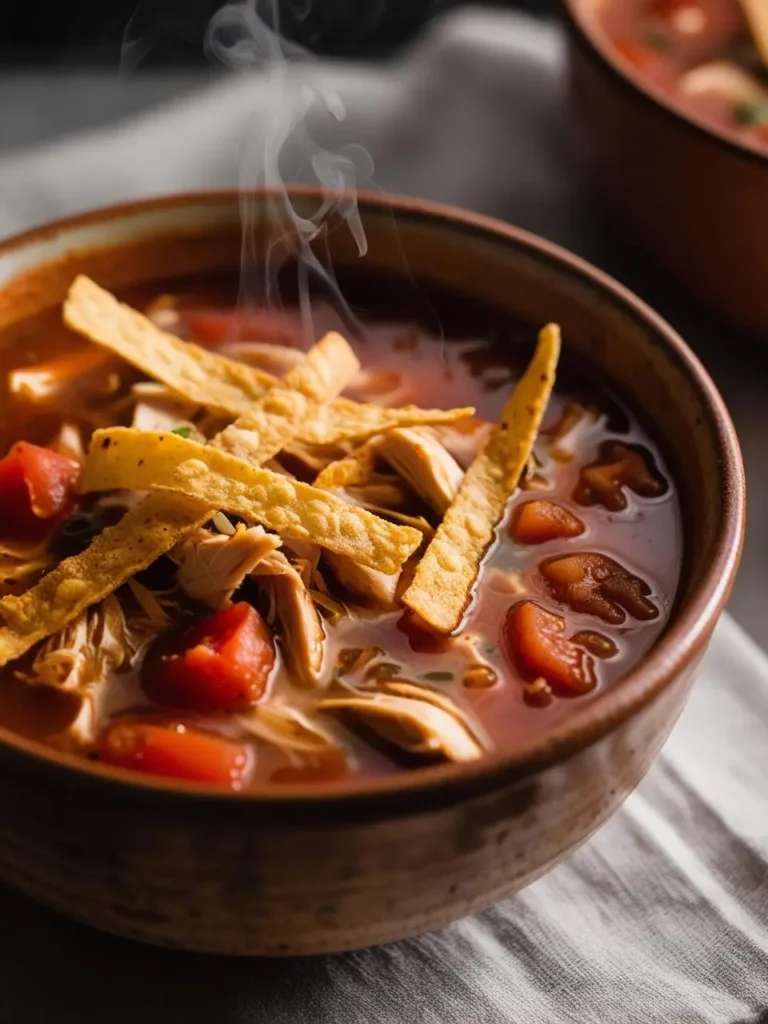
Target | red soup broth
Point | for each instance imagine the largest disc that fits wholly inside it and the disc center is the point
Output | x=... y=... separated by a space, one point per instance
x=597 y=470
x=698 y=53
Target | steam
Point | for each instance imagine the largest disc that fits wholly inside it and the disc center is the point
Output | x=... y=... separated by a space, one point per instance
x=278 y=148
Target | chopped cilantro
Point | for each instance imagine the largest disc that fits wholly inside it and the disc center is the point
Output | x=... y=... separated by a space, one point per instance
x=182 y=431
x=750 y=113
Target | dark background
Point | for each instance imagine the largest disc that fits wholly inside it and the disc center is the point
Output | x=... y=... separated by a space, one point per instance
x=91 y=32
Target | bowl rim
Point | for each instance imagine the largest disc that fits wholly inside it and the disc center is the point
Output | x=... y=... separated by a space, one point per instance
x=585 y=30
x=678 y=647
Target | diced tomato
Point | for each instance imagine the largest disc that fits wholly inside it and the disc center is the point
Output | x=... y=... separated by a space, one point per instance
x=36 y=490
x=218 y=326
x=421 y=638
x=176 y=752
x=220 y=664
x=535 y=640
x=535 y=522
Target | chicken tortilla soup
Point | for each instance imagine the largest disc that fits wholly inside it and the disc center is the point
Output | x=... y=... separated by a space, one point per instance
x=710 y=56
x=233 y=558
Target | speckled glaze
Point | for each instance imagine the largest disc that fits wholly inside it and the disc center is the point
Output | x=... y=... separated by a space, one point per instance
x=354 y=864
x=695 y=199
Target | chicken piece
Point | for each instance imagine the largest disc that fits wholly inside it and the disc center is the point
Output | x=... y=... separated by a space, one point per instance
x=291 y=604
x=413 y=718
x=163 y=412
x=68 y=441
x=423 y=462
x=373 y=587
x=212 y=566
x=463 y=440
x=297 y=734
x=724 y=79
x=21 y=565
x=79 y=659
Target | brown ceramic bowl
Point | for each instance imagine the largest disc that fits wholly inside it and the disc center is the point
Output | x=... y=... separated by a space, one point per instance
x=694 y=198
x=353 y=864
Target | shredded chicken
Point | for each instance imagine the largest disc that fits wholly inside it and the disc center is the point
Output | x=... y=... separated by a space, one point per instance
x=292 y=731
x=372 y=586
x=79 y=659
x=212 y=566
x=463 y=440
x=424 y=463
x=722 y=78
x=21 y=565
x=275 y=359
x=418 y=720
x=291 y=604
x=68 y=441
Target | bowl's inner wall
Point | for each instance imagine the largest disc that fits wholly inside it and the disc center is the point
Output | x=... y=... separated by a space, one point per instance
x=503 y=272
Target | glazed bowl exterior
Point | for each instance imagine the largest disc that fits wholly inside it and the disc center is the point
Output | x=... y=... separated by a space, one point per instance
x=693 y=198
x=309 y=870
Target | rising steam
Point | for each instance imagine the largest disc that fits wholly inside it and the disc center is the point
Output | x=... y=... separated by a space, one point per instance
x=245 y=35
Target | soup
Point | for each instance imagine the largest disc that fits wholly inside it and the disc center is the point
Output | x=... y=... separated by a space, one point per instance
x=232 y=558
x=704 y=54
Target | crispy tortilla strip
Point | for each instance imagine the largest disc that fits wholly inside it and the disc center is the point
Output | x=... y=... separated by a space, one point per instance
x=200 y=376
x=161 y=520
x=354 y=470
x=442 y=587
x=142 y=535
x=756 y=13
x=275 y=419
x=122 y=458
x=209 y=379
x=345 y=420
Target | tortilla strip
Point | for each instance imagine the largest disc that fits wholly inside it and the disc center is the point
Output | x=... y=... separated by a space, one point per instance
x=270 y=423
x=199 y=375
x=756 y=13
x=141 y=536
x=211 y=380
x=353 y=470
x=124 y=459
x=345 y=420
x=442 y=586
x=161 y=520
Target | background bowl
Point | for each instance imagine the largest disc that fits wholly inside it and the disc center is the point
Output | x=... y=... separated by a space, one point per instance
x=352 y=864
x=693 y=197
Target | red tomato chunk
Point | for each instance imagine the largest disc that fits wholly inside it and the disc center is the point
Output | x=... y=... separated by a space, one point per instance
x=535 y=640
x=535 y=522
x=221 y=663
x=36 y=491
x=176 y=752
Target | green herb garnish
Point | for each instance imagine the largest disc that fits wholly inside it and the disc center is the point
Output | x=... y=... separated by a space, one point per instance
x=182 y=431
x=749 y=112
x=439 y=677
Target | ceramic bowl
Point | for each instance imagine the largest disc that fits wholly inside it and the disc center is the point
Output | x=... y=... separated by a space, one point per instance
x=692 y=196
x=353 y=864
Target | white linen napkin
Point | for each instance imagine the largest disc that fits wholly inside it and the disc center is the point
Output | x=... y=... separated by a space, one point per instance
x=663 y=915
